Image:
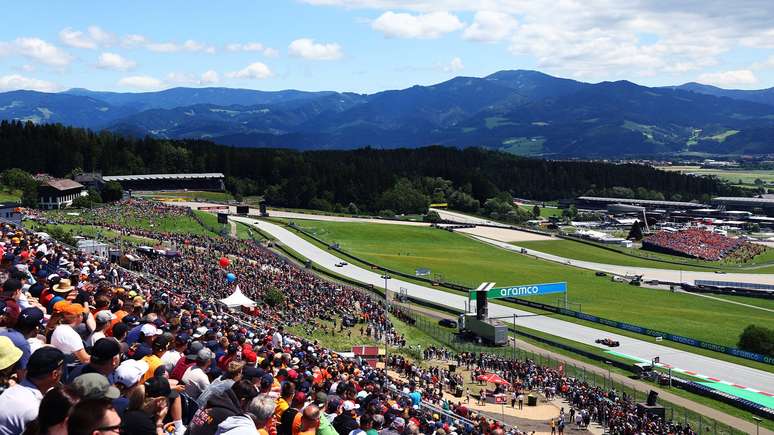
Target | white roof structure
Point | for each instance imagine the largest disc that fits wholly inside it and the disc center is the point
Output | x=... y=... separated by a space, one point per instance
x=162 y=176
x=237 y=299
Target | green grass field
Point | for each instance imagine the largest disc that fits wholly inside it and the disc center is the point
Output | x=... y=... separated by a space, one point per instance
x=639 y=258
x=544 y=211
x=468 y=262
x=747 y=176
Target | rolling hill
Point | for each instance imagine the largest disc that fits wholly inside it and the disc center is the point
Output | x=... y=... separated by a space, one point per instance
x=522 y=112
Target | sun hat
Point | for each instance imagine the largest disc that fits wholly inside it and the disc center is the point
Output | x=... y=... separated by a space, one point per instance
x=9 y=353
x=64 y=286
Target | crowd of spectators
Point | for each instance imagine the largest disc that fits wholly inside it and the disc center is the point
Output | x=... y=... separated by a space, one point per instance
x=702 y=244
x=617 y=412
x=90 y=348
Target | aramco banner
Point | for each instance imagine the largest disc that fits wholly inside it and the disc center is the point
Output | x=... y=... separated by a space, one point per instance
x=520 y=291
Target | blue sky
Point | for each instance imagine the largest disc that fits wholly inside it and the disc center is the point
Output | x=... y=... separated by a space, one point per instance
x=372 y=45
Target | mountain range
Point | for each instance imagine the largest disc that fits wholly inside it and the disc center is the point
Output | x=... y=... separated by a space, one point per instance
x=519 y=111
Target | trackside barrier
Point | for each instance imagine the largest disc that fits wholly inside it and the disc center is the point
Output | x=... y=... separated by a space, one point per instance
x=648 y=331
x=577 y=314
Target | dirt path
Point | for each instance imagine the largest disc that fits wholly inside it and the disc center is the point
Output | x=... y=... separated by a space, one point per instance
x=664 y=394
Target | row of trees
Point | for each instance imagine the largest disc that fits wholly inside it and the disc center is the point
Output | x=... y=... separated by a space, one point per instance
x=403 y=180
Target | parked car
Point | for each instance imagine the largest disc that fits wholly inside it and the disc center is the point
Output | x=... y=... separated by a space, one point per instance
x=448 y=323
x=600 y=274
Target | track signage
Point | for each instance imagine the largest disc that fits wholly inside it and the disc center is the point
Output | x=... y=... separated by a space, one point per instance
x=519 y=291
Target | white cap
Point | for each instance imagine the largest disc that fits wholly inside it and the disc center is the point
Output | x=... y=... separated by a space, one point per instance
x=149 y=330
x=350 y=405
x=130 y=372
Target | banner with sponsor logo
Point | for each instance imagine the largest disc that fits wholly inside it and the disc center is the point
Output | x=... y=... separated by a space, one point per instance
x=520 y=291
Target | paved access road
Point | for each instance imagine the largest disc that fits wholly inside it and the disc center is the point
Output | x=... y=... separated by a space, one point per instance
x=725 y=371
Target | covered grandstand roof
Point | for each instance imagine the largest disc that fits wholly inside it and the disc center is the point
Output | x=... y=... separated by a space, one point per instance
x=163 y=176
x=640 y=201
x=744 y=200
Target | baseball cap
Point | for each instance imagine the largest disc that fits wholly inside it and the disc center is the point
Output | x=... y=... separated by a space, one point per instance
x=29 y=317
x=67 y=307
x=104 y=316
x=182 y=338
x=130 y=372
x=320 y=398
x=149 y=330
x=44 y=360
x=105 y=348
x=158 y=386
x=204 y=355
x=131 y=320
x=9 y=353
x=350 y=405
x=95 y=386
x=267 y=379
x=193 y=350
x=398 y=423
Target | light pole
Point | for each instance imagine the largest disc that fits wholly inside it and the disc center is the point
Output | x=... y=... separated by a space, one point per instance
x=757 y=423
x=609 y=375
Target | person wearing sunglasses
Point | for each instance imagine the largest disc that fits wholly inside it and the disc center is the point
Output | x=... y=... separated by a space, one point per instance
x=94 y=417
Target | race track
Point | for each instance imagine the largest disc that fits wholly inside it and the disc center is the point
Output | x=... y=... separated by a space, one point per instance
x=702 y=365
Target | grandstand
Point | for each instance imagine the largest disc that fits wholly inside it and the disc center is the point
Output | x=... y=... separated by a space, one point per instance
x=204 y=181
x=701 y=244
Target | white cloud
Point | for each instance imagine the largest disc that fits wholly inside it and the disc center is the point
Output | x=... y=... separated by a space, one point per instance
x=163 y=47
x=133 y=40
x=96 y=37
x=308 y=49
x=742 y=77
x=403 y=25
x=145 y=83
x=599 y=39
x=454 y=66
x=252 y=47
x=210 y=77
x=255 y=70
x=173 y=47
x=489 y=26
x=76 y=38
x=115 y=62
x=42 y=51
x=15 y=82
x=101 y=37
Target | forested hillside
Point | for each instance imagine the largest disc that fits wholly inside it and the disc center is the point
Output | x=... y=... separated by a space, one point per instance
x=371 y=179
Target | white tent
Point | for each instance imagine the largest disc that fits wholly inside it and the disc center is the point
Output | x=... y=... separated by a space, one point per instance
x=237 y=299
